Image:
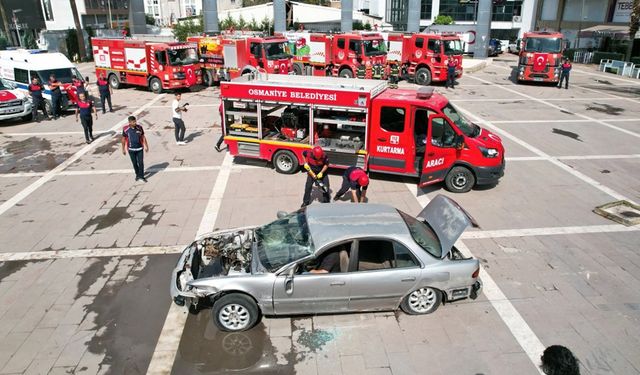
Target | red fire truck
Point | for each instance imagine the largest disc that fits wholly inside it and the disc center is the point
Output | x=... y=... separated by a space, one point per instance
x=362 y=55
x=358 y=122
x=158 y=66
x=540 y=57
x=229 y=56
x=421 y=57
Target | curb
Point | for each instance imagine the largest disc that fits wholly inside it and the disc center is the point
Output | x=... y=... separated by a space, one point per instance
x=479 y=66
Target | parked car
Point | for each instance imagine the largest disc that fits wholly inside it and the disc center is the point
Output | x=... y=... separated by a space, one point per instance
x=383 y=259
x=514 y=47
x=495 y=47
x=13 y=103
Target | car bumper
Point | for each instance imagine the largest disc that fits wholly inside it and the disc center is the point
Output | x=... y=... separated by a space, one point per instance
x=472 y=292
x=179 y=296
x=489 y=175
x=26 y=110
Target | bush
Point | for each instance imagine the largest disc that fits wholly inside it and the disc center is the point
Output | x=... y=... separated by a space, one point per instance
x=442 y=19
x=28 y=41
x=182 y=30
x=597 y=56
x=149 y=19
x=635 y=60
x=3 y=43
x=569 y=52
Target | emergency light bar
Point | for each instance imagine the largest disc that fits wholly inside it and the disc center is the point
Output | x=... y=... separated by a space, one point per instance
x=425 y=92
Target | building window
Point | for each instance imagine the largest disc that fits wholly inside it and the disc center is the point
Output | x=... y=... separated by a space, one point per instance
x=506 y=10
x=152 y=7
x=425 y=9
x=458 y=11
x=190 y=8
x=397 y=14
x=47 y=10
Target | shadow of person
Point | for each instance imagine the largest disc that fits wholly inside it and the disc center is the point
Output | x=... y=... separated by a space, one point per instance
x=193 y=136
x=152 y=170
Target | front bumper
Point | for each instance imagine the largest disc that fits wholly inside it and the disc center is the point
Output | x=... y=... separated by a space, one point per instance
x=489 y=175
x=24 y=111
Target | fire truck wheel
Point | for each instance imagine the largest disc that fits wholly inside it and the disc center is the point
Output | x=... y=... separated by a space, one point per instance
x=459 y=180
x=285 y=162
x=155 y=85
x=346 y=73
x=207 y=78
x=423 y=77
x=114 y=81
x=297 y=69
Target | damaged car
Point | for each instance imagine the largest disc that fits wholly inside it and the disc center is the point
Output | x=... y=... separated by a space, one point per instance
x=383 y=259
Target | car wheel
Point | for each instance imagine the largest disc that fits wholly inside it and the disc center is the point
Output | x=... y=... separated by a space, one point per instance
x=346 y=73
x=285 y=162
x=27 y=118
x=421 y=301
x=298 y=69
x=207 y=78
x=423 y=77
x=235 y=312
x=459 y=180
x=114 y=81
x=155 y=85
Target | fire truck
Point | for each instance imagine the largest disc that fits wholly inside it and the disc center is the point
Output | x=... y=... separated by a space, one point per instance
x=362 y=55
x=422 y=58
x=228 y=56
x=158 y=66
x=358 y=122
x=540 y=57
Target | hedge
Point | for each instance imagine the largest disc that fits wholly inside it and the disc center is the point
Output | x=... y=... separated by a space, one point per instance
x=597 y=56
x=635 y=60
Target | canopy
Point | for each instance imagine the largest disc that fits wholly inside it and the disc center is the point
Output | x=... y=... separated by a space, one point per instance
x=615 y=31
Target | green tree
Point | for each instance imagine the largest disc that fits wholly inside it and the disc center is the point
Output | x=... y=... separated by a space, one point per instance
x=227 y=23
x=188 y=28
x=3 y=42
x=149 y=19
x=266 y=25
x=253 y=25
x=443 y=19
x=634 y=24
x=28 y=41
x=242 y=24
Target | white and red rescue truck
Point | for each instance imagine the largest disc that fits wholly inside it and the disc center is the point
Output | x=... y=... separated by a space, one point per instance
x=225 y=57
x=361 y=123
x=540 y=57
x=421 y=57
x=348 y=55
x=158 y=66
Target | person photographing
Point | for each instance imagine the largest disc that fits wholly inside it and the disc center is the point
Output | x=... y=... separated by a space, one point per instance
x=177 y=109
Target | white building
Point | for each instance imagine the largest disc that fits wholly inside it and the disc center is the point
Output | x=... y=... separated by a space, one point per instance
x=94 y=13
x=166 y=12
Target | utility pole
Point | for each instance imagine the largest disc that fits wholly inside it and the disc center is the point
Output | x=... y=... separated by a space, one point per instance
x=15 y=23
x=580 y=26
x=79 y=34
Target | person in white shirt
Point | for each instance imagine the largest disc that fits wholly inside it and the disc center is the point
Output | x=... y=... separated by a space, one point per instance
x=176 y=111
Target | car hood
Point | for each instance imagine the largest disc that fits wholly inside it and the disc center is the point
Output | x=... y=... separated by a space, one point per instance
x=9 y=95
x=447 y=219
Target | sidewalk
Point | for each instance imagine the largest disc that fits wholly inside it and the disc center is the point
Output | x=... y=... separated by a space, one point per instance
x=470 y=65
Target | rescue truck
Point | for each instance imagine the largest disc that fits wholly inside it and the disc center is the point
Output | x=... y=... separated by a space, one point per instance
x=19 y=67
x=225 y=57
x=358 y=122
x=540 y=57
x=158 y=66
x=422 y=58
x=361 y=55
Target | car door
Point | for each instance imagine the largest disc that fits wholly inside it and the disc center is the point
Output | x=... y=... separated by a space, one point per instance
x=440 y=151
x=383 y=271
x=391 y=139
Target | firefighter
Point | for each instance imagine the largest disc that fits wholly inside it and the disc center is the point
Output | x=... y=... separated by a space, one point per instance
x=36 y=89
x=56 y=96
x=105 y=93
x=316 y=164
x=451 y=73
x=564 y=74
x=85 y=107
x=361 y=71
x=356 y=179
x=394 y=74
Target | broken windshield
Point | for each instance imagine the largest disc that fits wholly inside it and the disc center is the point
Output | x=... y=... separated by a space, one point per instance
x=183 y=56
x=374 y=47
x=276 y=51
x=284 y=241
x=549 y=45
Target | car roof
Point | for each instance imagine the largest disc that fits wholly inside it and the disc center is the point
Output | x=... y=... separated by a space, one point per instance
x=332 y=222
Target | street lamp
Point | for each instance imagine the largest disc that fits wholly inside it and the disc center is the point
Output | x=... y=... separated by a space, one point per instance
x=15 y=23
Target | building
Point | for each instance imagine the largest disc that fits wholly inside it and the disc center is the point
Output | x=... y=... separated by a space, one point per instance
x=98 y=14
x=167 y=12
x=28 y=18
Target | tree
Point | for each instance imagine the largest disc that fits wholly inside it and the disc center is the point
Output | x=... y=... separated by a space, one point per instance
x=79 y=35
x=149 y=19
x=5 y=22
x=442 y=19
x=3 y=42
x=28 y=41
x=634 y=24
x=188 y=28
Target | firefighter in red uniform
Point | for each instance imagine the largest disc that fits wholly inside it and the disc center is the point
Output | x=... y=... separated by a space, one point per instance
x=316 y=164
x=356 y=179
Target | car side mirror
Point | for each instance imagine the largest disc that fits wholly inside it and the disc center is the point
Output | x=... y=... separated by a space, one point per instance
x=281 y=214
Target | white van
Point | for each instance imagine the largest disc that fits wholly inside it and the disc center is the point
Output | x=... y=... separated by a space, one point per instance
x=20 y=66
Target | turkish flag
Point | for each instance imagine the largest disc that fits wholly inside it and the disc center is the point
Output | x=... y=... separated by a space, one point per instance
x=190 y=76
x=539 y=61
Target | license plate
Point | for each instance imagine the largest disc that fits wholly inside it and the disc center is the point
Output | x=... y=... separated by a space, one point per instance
x=10 y=110
x=537 y=79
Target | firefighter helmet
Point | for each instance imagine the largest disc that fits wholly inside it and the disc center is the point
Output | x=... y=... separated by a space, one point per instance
x=363 y=180
x=317 y=153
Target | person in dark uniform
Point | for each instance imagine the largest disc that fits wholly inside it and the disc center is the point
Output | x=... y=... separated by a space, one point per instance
x=78 y=85
x=133 y=140
x=36 y=89
x=356 y=179
x=316 y=164
x=105 y=93
x=85 y=107
x=56 y=96
x=564 y=74
x=451 y=73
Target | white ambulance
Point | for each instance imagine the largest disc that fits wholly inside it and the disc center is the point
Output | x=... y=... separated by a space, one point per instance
x=13 y=103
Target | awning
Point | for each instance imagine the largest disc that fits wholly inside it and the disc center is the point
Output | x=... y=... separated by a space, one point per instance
x=614 y=31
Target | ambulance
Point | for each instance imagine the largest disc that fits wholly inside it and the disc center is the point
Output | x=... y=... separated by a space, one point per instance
x=358 y=122
x=13 y=103
x=18 y=67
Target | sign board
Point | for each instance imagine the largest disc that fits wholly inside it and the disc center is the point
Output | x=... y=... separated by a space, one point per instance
x=294 y=95
x=622 y=11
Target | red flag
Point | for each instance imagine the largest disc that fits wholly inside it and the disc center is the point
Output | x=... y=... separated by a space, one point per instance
x=539 y=61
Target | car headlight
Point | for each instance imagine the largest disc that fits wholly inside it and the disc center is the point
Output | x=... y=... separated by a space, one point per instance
x=489 y=152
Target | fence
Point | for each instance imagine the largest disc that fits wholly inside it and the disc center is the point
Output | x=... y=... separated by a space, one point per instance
x=583 y=57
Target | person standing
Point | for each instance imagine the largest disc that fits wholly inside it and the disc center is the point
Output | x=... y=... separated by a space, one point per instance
x=37 y=101
x=85 y=107
x=56 y=96
x=564 y=73
x=221 y=138
x=133 y=140
x=357 y=180
x=105 y=93
x=78 y=85
x=451 y=73
x=316 y=164
x=177 y=111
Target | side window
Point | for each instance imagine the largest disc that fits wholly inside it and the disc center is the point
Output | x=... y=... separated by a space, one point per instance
x=341 y=43
x=375 y=255
x=419 y=42
x=255 y=50
x=442 y=135
x=420 y=123
x=353 y=46
x=404 y=257
x=21 y=75
x=433 y=46
x=160 y=58
x=392 y=119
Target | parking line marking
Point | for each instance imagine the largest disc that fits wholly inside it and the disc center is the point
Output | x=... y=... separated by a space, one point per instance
x=520 y=100
x=606 y=93
x=90 y=253
x=169 y=340
x=41 y=134
x=561 y=121
x=572 y=157
x=524 y=335
x=62 y=166
x=603 y=75
x=124 y=171
x=550 y=231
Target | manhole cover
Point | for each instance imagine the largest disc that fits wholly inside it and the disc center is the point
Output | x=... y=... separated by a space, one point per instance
x=622 y=212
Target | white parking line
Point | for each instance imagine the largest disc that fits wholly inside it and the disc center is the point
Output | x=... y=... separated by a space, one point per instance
x=124 y=171
x=550 y=231
x=608 y=76
x=90 y=253
x=42 y=134
x=606 y=93
x=524 y=121
x=573 y=157
x=165 y=352
x=522 y=100
x=519 y=328
x=56 y=171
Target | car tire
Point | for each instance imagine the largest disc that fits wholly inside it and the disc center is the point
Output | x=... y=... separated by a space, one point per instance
x=114 y=81
x=207 y=78
x=459 y=180
x=421 y=301
x=285 y=162
x=423 y=77
x=27 y=118
x=235 y=312
x=346 y=73
x=155 y=85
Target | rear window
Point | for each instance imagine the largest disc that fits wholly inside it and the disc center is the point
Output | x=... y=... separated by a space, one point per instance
x=424 y=236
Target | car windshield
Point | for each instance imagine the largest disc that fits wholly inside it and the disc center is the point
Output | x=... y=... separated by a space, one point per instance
x=3 y=86
x=64 y=75
x=423 y=235
x=276 y=51
x=467 y=127
x=553 y=45
x=284 y=241
x=374 y=47
x=184 y=56
x=452 y=47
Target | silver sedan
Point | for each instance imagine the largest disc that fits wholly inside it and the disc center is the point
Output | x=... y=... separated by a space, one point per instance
x=329 y=258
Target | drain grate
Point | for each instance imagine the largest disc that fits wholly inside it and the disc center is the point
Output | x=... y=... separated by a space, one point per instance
x=622 y=212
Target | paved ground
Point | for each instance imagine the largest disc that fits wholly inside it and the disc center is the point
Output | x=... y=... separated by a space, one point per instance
x=87 y=250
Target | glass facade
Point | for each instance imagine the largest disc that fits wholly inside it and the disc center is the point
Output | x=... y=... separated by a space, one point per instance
x=506 y=10
x=397 y=14
x=457 y=10
x=425 y=9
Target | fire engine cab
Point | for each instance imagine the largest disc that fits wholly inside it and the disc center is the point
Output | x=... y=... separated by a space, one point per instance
x=158 y=66
x=228 y=56
x=422 y=57
x=358 y=122
x=540 y=57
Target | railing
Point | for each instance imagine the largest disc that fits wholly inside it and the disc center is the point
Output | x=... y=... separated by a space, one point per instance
x=583 y=57
x=621 y=68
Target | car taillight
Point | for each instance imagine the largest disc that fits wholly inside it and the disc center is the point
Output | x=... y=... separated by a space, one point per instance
x=475 y=273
